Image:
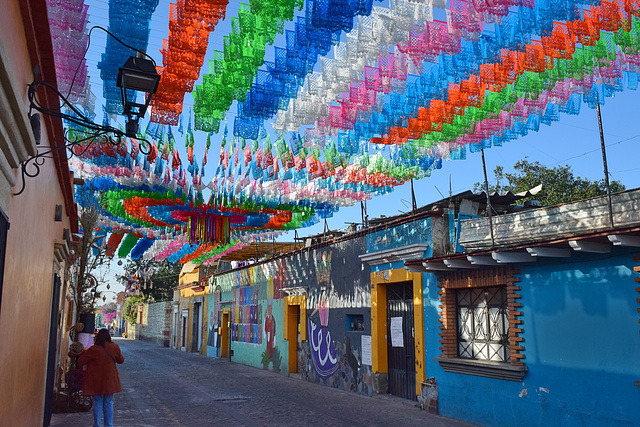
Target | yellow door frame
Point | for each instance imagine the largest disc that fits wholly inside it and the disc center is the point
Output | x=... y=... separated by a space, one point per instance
x=379 y=282
x=290 y=331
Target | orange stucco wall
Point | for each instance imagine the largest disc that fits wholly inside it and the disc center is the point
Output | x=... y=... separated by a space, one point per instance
x=26 y=298
x=15 y=43
x=29 y=265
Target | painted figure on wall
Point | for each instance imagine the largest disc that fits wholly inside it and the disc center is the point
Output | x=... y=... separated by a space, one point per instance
x=323 y=269
x=279 y=279
x=323 y=274
x=271 y=354
x=270 y=327
x=323 y=352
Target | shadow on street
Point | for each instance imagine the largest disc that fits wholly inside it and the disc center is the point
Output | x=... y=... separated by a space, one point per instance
x=166 y=387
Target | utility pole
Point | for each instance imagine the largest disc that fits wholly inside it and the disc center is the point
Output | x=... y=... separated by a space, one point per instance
x=486 y=189
x=604 y=162
x=363 y=212
x=414 y=204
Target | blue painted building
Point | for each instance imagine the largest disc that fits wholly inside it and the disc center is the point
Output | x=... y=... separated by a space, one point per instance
x=536 y=322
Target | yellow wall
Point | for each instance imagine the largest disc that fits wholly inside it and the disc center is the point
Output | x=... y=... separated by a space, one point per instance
x=379 y=282
x=191 y=277
x=185 y=301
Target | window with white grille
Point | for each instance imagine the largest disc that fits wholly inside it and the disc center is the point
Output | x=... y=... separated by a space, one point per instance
x=483 y=324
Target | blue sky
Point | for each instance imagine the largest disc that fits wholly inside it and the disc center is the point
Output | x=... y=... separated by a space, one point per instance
x=574 y=140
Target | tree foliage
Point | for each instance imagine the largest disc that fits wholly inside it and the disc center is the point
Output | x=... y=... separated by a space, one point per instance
x=92 y=251
x=163 y=274
x=559 y=184
x=130 y=308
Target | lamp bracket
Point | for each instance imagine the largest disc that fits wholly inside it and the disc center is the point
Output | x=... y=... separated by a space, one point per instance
x=31 y=167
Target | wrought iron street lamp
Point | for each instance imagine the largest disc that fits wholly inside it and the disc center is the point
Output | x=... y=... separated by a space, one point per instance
x=137 y=74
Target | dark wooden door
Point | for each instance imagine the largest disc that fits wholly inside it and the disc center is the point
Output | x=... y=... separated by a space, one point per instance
x=224 y=344
x=195 y=334
x=4 y=229
x=53 y=348
x=401 y=345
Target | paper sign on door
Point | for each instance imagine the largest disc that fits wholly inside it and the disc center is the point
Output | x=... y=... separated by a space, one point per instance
x=397 y=339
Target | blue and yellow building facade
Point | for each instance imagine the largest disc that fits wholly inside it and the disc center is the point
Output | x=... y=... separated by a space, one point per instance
x=535 y=330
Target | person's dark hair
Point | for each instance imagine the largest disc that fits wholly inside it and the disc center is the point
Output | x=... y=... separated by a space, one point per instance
x=103 y=335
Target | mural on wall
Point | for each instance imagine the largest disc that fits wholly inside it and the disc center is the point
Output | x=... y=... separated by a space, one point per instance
x=323 y=352
x=350 y=374
x=341 y=287
x=247 y=321
x=347 y=285
x=334 y=282
x=271 y=353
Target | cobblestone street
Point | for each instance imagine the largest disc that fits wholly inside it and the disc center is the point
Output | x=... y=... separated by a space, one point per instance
x=164 y=387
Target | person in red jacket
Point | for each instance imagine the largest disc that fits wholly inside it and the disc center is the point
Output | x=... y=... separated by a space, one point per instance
x=101 y=378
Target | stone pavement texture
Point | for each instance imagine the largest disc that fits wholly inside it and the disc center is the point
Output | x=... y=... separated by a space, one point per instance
x=166 y=387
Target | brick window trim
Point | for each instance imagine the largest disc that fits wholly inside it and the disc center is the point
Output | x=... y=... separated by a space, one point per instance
x=514 y=370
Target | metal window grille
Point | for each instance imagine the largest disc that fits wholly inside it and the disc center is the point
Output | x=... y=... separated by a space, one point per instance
x=483 y=324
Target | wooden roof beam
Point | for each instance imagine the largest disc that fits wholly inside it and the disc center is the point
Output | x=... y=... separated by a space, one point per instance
x=512 y=257
x=540 y=251
x=590 y=246
x=624 y=240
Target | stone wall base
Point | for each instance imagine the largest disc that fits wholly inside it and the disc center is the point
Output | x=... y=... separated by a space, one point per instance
x=428 y=398
x=381 y=383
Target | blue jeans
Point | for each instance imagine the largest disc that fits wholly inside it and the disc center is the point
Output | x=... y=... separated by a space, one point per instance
x=103 y=404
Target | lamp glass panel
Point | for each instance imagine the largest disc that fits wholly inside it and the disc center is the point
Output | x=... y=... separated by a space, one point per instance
x=139 y=82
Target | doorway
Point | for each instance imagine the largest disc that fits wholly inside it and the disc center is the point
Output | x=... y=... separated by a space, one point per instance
x=401 y=342
x=293 y=323
x=51 y=359
x=183 y=330
x=294 y=328
x=224 y=335
x=196 y=333
x=174 y=328
x=4 y=229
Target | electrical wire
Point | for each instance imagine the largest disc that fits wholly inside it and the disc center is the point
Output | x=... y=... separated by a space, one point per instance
x=596 y=150
x=80 y=119
x=84 y=56
x=94 y=131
